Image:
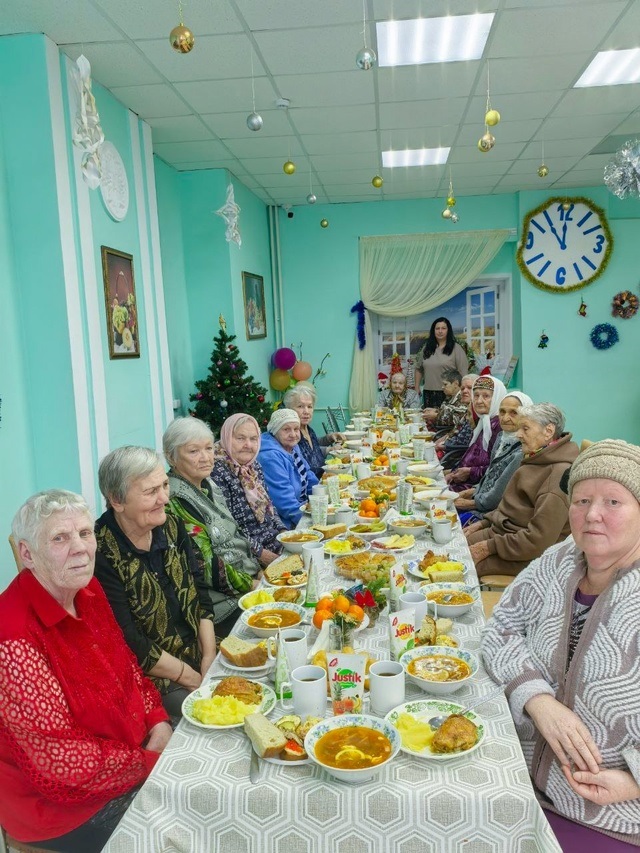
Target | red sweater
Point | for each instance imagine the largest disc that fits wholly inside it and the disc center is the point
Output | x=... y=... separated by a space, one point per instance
x=74 y=710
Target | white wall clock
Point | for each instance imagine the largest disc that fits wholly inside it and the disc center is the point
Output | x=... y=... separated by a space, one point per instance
x=566 y=244
x=114 y=186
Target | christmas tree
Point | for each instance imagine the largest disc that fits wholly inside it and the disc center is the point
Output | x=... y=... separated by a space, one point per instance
x=227 y=390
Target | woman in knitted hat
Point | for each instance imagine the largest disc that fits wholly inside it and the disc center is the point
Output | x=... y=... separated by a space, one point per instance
x=564 y=641
x=533 y=511
x=286 y=472
x=488 y=393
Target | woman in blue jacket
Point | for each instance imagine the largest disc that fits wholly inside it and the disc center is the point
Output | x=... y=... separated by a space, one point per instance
x=286 y=472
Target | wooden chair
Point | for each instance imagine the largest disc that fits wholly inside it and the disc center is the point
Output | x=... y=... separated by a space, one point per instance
x=497 y=582
x=584 y=444
x=16 y=554
x=489 y=600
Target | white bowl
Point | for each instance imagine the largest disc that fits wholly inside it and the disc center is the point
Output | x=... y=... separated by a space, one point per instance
x=453 y=610
x=425 y=496
x=346 y=721
x=368 y=536
x=296 y=547
x=277 y=605
x=354 y=443
x=354 y=433
x=362 y=519
x=439 y=688
x=426 y=469
x=338 y=468
x=416 y=529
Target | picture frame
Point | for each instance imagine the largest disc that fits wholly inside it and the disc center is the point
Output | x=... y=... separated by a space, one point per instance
x=255 y=314
x=123 y=332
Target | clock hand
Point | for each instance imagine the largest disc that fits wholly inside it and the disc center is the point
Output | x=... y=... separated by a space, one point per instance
x=563 y=244
x=560 y=240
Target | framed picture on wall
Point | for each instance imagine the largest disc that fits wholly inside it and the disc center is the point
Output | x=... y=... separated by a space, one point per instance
x=123 y=332
x=255 y=314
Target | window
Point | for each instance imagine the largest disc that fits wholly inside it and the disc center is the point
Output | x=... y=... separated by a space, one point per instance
x=480 y=314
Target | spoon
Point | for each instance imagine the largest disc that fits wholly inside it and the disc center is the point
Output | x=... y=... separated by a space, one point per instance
x=436 y=722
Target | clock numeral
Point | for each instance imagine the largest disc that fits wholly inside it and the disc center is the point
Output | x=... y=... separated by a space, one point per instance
x=561 y=275
x=588 y=262
x=529 y=243
x=565 y=215
x=535 y=258
x=543 y=268
x=578 y=273
x=538 y=226
x=599 y=244
x=584 y=218
x=591 y=230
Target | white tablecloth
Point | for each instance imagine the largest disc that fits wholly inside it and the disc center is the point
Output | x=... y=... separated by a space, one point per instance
x=199 y=797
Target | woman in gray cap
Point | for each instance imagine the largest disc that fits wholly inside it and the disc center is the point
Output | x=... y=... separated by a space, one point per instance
x=286 y=472
x=564 y=641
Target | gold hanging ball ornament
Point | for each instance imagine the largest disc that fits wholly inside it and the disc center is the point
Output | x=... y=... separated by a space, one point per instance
x=377 y=182
x=566 y=205
x=543 y=171
x=451 y=201
x=366 y=59
x=492 y=118
x=182 y=39
x=324 y=223
x=486 y=142
x=289 y=167
x=446 y=213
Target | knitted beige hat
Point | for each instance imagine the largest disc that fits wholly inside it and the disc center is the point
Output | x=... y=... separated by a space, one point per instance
x=281 y=417
x=610 y=459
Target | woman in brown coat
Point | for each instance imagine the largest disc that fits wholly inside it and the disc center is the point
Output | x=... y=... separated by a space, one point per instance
x=534 y=511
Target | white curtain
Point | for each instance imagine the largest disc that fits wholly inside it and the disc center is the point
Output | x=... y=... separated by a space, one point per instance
x=402 y=275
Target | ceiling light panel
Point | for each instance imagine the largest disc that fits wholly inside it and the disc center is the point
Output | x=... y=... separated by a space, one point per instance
x=454 y=38
x=414 y=157
x=612 y=68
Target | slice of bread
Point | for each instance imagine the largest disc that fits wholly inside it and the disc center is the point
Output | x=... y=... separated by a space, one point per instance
x=449 y=576
x=330 y=530
x=267 y=739
x=241 y=653
x=291 y=563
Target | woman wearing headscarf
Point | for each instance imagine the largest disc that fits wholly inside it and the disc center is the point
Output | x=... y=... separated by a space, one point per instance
x=398 y=395
x=302 y=399
x=506 y=457
x=286 y=472
x=488 y=393
x=239 y=476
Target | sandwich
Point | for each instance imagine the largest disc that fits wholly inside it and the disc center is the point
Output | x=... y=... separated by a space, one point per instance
x=286 y=572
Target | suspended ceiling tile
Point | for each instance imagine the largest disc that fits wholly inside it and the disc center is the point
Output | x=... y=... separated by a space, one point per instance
x=625 y=32
x=485 y=168
x=530 y=74
x=334 y=119
x=78 y=22
x=578 y=126
x=392 y=10
x=420 y=137
x=274 y=15
x=114 y=63
x=630 y=125
x=227 y=96
x=304 y=51
x=265 y=166
x=351 y=189
x=433 y=81
x=593 y=161
x=154 y=101
x=562 y=147
x=421 y=113
x=499 y=153
x=143 y=19
x=254 y=145
x=206 y=164
x=185 y=152
x=551 y=31
x=556 y=165
x=217 y=58
x=346 y=161
x=347 y=143
x=178 y=129
x=326 y=90
x=234 y=125
x=600 y=99
x=281 y=181
x=506 y=131
x=350 y=176
x=515 y=107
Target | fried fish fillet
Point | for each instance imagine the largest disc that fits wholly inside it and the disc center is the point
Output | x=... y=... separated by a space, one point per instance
x=244 y=690
x=455 y=735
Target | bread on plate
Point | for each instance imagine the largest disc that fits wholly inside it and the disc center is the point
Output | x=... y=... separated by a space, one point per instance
x=241 y=653
x=267 y=739
x=330 y=530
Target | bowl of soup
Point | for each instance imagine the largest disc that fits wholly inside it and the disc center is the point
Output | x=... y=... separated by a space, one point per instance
x=452 y=598
x=439 y=669
x=352 y=747
x=265 y=620
x=293 y=540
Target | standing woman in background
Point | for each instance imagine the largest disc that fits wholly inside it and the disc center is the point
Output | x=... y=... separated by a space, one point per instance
x=440 y=350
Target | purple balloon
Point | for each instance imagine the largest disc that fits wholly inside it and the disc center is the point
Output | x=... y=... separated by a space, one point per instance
x=284 y=358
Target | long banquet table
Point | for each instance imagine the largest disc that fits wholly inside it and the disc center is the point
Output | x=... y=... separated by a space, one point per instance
x=199 y=797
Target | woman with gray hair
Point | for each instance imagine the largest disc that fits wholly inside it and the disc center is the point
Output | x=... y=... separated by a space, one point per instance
x=148 y=570
x=225 y=555
x=533 y=513
x=81 y=725
x=286 y=472
x=302 y=399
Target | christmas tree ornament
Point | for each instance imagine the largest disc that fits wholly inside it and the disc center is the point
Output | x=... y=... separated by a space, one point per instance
x=181 y=38
x=622 y=172
x=324 y=223
x=233 y=367
x=289 y=167
x=377 y=181
x=582 y=310
x=260 y=398
x=451 y=201
x=301 y=370
x=492 y=118
x=486 y=142
x=544 y=340
x=254 y=119
x=543 y=171
x=454 y=218
x=230 y=212
x=446 y=213
x=223 y=404
x=566 y=205
x=312 y=198
x=199 y=396
x=366 y=57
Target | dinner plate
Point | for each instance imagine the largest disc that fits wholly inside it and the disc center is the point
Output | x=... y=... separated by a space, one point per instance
x=383 y=550
x=282 y=762
x=414 y=571
x=242 y=669
x=269 y=585
x=266 y=706
x=423 y=710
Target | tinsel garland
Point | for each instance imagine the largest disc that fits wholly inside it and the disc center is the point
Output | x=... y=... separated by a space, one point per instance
x=624 y=305
x=359 y=309
x=601 y=342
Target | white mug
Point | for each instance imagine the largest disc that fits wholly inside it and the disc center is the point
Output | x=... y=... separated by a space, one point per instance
x=294 y=641
x=363 y=470
x=309 y=687
x=429 y=451
x=441 y=531
x=386 y=686
x=418 y=601
x=313 y=552
x=402 y=466
x=344 y=515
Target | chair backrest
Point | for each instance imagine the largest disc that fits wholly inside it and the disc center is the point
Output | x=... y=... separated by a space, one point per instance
x=584 y=444
x=16 y=553
x=333 y=423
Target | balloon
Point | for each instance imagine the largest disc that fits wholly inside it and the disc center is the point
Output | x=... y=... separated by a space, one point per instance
x=302 y=370
x=284 y=358
x=279 y=380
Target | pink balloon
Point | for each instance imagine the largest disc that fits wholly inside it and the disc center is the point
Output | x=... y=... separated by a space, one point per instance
x=302 y=370
x=284 y=358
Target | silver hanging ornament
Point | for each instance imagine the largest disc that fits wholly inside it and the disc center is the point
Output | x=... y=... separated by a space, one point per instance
x=254 y=121
x=486 y=142
x=622 y=172
x=543 y=171
x=454 y=217
x=366 y=58
x=312 y=198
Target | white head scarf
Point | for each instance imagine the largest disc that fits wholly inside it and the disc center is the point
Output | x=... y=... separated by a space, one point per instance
x=281 y=417
x=508 y=438
x=484 y=421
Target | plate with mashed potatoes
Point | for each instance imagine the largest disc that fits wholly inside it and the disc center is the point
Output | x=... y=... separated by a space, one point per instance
x=224 y=702
x=459 y=735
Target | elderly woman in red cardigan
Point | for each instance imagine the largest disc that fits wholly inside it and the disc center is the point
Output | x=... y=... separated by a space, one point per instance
x=80 y=725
